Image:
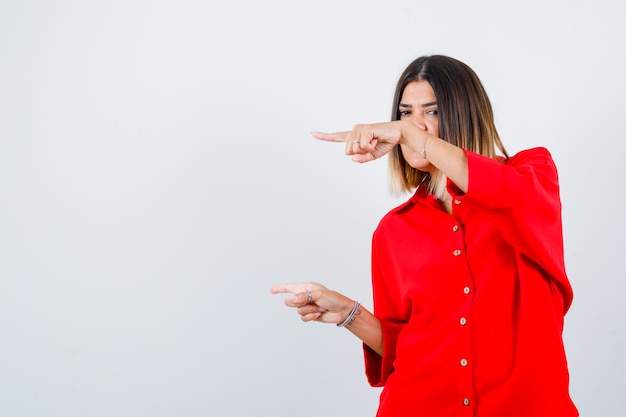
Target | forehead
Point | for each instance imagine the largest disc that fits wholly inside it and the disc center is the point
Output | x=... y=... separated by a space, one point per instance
x=418 y=92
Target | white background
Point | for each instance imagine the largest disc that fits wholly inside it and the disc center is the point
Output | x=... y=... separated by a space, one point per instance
x=157 y=177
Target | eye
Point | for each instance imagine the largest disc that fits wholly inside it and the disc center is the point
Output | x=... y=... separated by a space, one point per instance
x=404 y=113
x=433 y=112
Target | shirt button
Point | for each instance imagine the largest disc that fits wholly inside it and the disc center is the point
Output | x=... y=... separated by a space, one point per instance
x=455 y=228
x=463 y=321
x=466 y=401
x=466 y=290
x=457 y=201
x=457 y=252
x=463 y=362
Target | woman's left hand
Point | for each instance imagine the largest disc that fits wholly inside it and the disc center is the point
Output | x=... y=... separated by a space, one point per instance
x=313 y=301
x=370 y=141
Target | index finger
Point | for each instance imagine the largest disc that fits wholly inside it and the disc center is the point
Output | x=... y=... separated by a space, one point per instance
x=331 y=137
x=294 y=287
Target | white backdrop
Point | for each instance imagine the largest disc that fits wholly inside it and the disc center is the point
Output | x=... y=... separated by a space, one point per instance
x=157 y=177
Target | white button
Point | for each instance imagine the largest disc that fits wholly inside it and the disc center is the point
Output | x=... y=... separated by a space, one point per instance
x=466 y=290
x=457 y=201
x=463 y=362
x=463 y=321
x=466 y=401
x=457 y=252
x=455 y=228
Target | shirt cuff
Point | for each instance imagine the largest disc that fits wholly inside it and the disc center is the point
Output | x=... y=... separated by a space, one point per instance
x=484 y=182
x=378 y=368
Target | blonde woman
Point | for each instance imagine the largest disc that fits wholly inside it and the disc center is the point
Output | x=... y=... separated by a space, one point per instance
x=469 y=283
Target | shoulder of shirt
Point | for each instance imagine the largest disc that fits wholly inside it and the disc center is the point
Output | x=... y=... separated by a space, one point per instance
x=417 y=196
x=388 y=218
x=531 y=156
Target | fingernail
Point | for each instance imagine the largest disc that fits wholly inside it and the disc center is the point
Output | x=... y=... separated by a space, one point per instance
x=292 y=298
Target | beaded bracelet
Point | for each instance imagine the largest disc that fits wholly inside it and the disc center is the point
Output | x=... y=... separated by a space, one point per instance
x=355 y=310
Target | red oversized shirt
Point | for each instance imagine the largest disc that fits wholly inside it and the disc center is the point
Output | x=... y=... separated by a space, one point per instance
x=472 y=304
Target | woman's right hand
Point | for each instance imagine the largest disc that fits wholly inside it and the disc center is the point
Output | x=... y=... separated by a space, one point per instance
x=313 y=301
x=367 y=142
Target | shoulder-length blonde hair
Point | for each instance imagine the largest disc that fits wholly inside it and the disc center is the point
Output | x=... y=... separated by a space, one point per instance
x=465 y=119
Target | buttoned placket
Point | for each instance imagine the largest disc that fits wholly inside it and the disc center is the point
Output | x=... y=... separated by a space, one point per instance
x=466 y=389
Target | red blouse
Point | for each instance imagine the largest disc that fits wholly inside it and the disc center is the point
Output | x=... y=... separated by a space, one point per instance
x=472 y=304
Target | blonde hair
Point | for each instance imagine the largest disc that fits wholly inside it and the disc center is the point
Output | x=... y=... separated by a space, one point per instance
x=465 y=119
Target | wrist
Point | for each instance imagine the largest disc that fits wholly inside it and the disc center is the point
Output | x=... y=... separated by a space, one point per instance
x=355 y=309
x=423 y=151
x=408 y=133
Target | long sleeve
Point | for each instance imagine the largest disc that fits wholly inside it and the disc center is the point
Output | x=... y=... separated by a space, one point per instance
x=386 y=309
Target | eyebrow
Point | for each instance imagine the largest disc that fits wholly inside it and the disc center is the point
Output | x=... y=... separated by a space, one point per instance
x=410 y=106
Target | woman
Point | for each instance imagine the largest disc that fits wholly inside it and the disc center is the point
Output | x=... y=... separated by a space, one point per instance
x=469 y=283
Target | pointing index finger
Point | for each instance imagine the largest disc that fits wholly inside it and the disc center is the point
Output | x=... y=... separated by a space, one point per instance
x=283 y=288
x=331 y=137
x=295 y=287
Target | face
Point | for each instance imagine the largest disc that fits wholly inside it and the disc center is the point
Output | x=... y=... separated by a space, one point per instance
x=418 y=105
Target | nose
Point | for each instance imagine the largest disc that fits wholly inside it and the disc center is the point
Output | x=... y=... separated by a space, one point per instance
x=418 y=120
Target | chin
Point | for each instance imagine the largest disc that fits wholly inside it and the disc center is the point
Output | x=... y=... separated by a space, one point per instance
x=419 y=163
x=421 y=166
x=416 y=161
